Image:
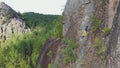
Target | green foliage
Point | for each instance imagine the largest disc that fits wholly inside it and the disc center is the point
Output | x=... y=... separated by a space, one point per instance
x=49 y=65
x=26 y=49
x=57 y=31
x=103 y=1
x=68 y=52
x=97 y=42
x=49 y=53
x=95 y=23
x=100 y=48
x=101 y=52
x=53 y=65
x=39 y=66
x=22 y=51
x=35 y=19
x=106 y=30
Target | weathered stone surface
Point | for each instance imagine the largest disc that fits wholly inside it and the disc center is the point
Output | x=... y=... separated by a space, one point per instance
x=71 y=12
x=76 y=16
x=113 y=50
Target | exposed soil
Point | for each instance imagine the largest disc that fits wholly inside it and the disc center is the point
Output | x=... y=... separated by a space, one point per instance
x=50 y=45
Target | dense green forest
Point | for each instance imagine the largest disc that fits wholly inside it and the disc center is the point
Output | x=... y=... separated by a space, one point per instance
x=22 y=51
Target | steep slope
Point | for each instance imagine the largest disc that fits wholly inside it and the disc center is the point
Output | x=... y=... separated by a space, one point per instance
x=10 y=22
x=98 y=47
x=113 y=50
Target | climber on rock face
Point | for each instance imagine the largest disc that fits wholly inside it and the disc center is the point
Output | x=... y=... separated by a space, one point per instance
x=84 y=33
x=86 y=28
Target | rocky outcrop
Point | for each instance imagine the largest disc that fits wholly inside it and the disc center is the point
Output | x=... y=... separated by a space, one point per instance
x=10 y=22
x=76 y=16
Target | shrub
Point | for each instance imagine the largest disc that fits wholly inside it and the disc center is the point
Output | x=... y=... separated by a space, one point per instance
x=95 y=23
x=49 y=53
x=101 y=52
x=97 y=42
x=106 y=30
x=100 y=48
x=68 y=52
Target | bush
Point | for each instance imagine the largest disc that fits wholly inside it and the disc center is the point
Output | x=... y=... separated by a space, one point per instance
x=68 y=52
x=100 y=48
x=49 y=53
x=106 y=30
x=95 y=23
x=97 y=42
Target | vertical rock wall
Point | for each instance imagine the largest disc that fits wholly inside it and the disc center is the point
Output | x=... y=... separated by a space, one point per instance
x=77 y=15
x=113 y=50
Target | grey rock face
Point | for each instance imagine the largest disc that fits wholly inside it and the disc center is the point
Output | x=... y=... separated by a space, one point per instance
x=10 y=22
x=71 y=10
x=113 y=50
x=76 y=16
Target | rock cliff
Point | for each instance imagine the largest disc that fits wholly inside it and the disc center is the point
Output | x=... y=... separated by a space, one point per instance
x=100 y=48
x=10 y=22
x=113 y=50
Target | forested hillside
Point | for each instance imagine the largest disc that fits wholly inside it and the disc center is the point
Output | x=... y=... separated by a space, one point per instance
x=22 y=51
x=35 y=19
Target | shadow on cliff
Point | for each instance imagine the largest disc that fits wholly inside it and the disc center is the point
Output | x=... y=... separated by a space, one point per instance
x=50 y=45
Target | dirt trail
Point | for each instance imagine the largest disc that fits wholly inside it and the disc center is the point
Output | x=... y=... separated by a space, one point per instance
x=44 y=59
